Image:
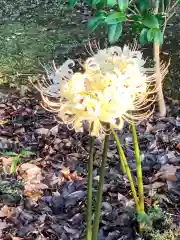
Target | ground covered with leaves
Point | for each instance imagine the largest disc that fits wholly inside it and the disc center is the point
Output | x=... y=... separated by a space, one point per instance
x=45 y=197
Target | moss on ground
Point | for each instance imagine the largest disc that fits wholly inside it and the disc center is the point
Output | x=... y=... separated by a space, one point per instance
x=34 y=32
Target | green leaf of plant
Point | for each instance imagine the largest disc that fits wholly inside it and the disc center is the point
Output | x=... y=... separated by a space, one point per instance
x=72 y=3
x=14 y=164
x=95 y=2
x=136 y=27
x=143 y=5
x=100 y=4
x=143 y=36
x=135 y=17
x=115 y=17
x=123 y=4
x=114 y=32
x=150 y=21
x=90 y=2
x=26 y=153
x=150 y=34
x=95 y=21
x=111 y=3
x=101 y=13
x=158 y=37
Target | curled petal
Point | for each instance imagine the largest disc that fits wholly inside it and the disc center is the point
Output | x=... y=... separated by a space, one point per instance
x=51 y=85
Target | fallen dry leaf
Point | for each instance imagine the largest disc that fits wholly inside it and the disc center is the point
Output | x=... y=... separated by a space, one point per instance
x=178 y=146
x=42 y=131
x=15 y=238
x=4 y=212
x=6 y=162
x=36 y=186
x=3 y=225
x=167 y=172
x=65 y=173
x=70 y=176
x=152 y=188
x=32 y=176
x=157 y=185
x=29 y=172
x=54 y=130
x=2 y=122
x=33 y=194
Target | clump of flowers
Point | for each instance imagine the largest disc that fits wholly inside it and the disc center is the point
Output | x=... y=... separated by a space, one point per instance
x=115 y=86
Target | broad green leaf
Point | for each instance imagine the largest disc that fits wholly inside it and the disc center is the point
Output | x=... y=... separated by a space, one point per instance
x=101 y=13
x=143 y=36
x=135 y=17
x=26 y=153
x=101 y=4
x=95 y=2
x=158 y=37
x=114 y=18
x=90 y=2
x=136 y=27
x=150 y=34
x=14 y=164
x=150 y=21
x=95 y=21
x=72 y=3
x=114 y=32
x=111 y=3
x=143 y=5
x=123 y=4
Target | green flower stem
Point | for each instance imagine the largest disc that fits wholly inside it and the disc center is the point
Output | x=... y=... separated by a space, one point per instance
x=138 y=169
x=89 y=203
x=100 y=190
x=119 y=150
x=127 y=169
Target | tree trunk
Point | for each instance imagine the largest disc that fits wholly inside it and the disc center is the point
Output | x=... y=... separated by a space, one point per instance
x=161 y=102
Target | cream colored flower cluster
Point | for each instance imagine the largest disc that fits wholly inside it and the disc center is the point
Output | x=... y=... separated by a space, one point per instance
x=115 y=86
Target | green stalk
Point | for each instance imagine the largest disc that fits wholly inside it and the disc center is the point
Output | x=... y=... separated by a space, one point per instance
x=119 y=150
x=127 y=170
x=138 y=169
x=100 y=190
x=89 y=202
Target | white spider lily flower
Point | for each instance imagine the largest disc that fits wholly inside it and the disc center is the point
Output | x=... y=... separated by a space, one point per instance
x=115 y=87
